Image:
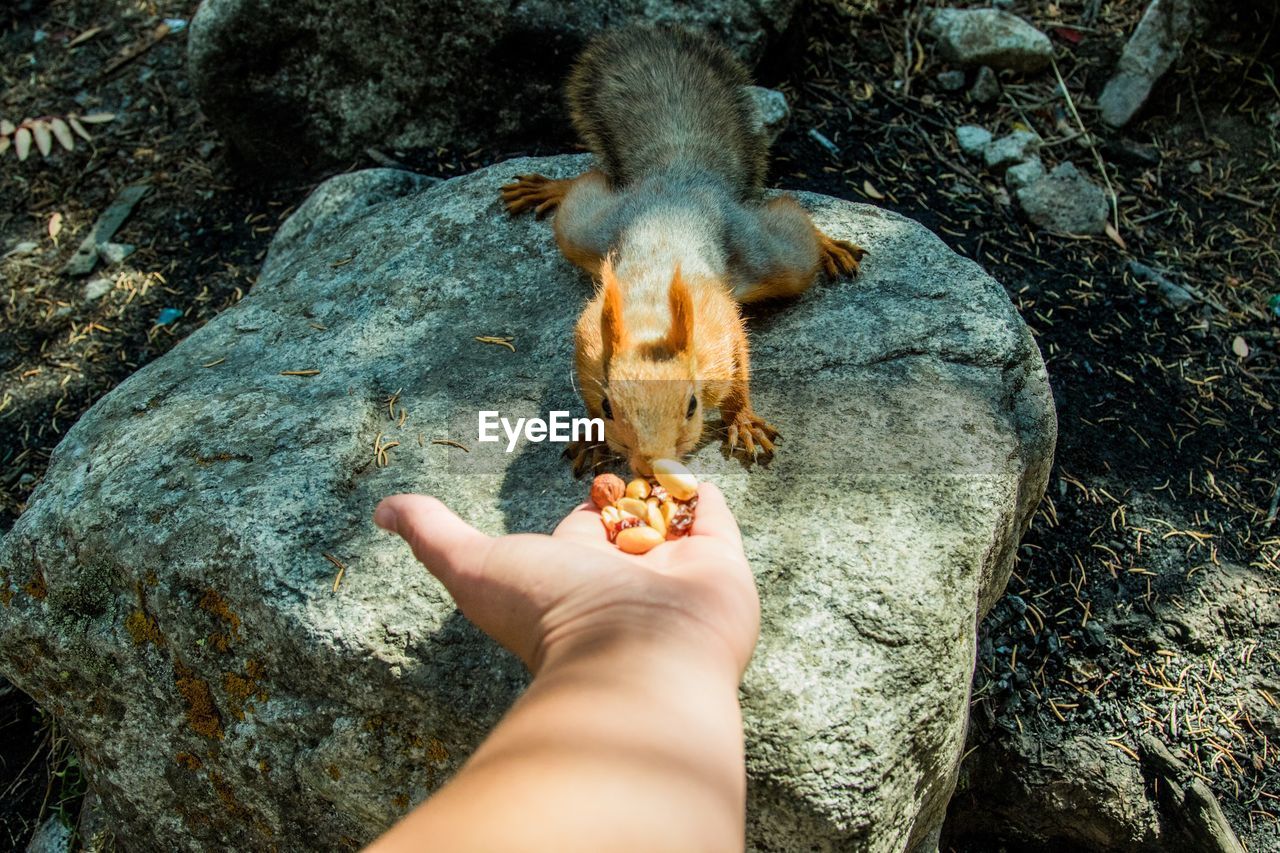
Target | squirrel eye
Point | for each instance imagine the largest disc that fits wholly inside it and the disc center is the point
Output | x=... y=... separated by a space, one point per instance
x=693 y=406
x=608 y=410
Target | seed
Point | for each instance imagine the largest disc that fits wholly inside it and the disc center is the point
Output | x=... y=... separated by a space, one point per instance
x=638 y=540
x=675 y=478
x=656 y=521
x=638 y=488
x=605 y=489
x=633 y=507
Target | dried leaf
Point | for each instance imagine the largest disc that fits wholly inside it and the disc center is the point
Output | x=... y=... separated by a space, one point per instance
x=84 y=37
x=79 y=128
x=55 y=226
x=871 y=192
x=44 y=139
x=22 y=143
x=1111 y=232
x=6 y=127
x=62 y=133
x=98 y=118
x=1239 y=347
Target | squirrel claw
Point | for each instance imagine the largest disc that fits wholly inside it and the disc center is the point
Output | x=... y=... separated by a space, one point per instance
x=757 y=434
x=586 y=458
x=840 y=257
x=534 y=192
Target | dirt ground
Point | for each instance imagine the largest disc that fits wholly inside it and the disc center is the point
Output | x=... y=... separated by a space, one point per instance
x=1164 y=495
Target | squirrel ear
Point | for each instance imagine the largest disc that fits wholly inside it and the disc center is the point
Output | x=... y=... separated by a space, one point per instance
x=680 y=338
x=613 y=334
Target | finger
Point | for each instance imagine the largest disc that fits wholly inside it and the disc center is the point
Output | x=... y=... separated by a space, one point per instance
x=444 y=543
x=582 y=525
x=713 y=517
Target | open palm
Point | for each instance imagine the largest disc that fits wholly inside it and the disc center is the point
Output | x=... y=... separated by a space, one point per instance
x=538 y=594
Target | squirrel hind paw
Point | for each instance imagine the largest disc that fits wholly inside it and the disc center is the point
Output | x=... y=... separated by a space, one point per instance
x=534 y=192
x=840 y=257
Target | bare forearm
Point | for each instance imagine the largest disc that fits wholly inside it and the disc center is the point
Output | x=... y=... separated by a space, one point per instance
x=635 y=749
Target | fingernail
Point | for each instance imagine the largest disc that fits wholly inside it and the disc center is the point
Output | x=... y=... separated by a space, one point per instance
x=385 y=517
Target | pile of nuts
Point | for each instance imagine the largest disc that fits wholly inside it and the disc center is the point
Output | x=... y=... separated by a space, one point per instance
x=646 y=512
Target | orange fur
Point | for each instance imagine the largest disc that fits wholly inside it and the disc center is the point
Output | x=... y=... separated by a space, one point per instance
x=700 y=351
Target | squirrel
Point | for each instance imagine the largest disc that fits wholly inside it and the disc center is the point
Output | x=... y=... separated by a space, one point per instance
x=672 y=223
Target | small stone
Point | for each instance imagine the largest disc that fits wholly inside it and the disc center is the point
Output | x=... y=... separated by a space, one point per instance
x=53 y=836
x=97 y=288
x=1172 y=294
x=26 y=247
x=772 y=111
x=1065 y=200
x=986 y=87
x=1155 y=44
x=1014 y=148
x=115 y=253
x=990 y=37
x=972 y=138
x=950 y=81
x=1020 y=175
x=1195 y=167
x=1129 y=152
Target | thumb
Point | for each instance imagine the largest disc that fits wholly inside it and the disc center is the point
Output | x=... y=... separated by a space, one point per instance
x=714 y=518
x=449 y=547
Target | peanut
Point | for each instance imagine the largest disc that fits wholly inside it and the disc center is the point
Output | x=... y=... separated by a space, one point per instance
x=638 y=488
x=656 y=521
x=632 y=506
x=673 y=476
x=638 y=540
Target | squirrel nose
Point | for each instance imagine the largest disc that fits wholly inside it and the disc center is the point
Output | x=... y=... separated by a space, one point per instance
x=641 y=466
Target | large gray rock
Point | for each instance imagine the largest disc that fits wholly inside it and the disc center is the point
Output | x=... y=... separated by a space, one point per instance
x=989 y=37
x=169 y=596
x=1149 y=53
x=315 y=82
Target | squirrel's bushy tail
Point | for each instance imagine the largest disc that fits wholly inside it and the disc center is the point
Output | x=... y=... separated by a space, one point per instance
x=646 y=101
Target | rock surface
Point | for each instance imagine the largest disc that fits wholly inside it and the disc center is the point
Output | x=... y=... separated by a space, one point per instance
x=1151 y=50
x=972 y=139
x=772 y=111
x=168 y=594
x=1011 y=148
x=990 y=37
x=1021 y=174
x=316 y=82
x=1065 y=200
x=986 y=86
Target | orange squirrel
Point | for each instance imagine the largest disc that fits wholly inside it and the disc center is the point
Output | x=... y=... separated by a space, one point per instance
x=672 y=223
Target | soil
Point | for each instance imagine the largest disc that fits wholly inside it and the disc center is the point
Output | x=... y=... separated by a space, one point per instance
x=1162 y=503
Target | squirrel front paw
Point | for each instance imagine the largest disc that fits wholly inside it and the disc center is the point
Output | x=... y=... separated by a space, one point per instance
x=839 y=257
x=754 y=431
x=586 y=458
x=541 y=194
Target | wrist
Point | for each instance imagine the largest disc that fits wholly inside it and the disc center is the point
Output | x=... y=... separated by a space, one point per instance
x=641 y=649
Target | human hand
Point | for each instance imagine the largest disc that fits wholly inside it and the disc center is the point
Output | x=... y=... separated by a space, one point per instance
x=543 y=596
